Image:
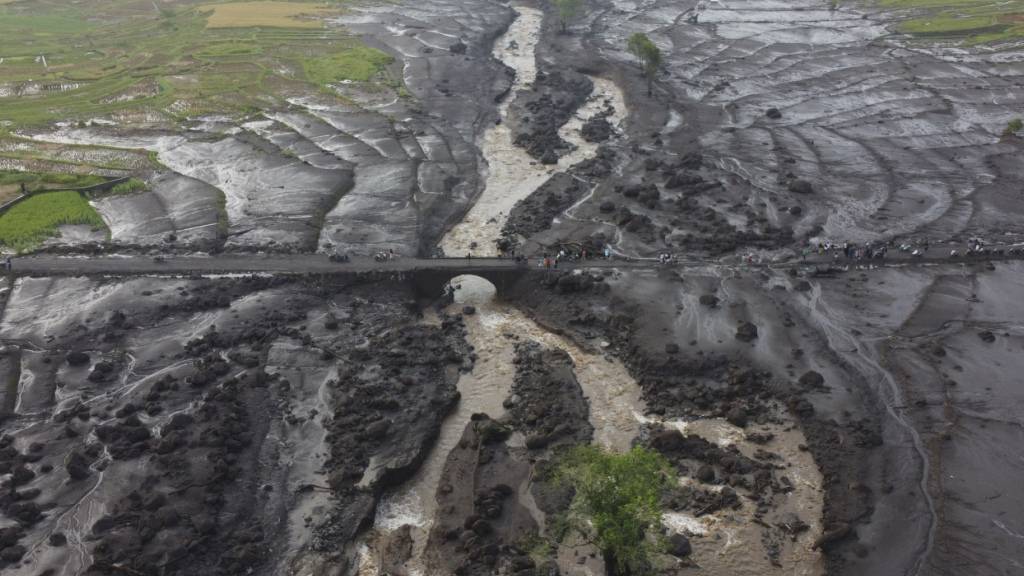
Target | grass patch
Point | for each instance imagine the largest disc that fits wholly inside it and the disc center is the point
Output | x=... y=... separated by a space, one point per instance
x=130 y=186
x=266 y=15
x=32 y=221
x=39 y=180
x=357 y=63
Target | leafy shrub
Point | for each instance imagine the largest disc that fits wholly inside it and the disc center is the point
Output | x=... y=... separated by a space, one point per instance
x=617 y=502
x=1013 y=126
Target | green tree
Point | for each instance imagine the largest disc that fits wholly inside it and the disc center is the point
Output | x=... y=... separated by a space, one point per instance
x=616 y=502
x=567 y=10
x=1013 y=126
x=648 y=54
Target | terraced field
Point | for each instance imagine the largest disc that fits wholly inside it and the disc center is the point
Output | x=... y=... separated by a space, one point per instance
x=970 y=21
x=65 y=62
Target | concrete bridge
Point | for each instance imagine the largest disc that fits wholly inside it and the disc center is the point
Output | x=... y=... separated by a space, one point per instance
x=429 y=276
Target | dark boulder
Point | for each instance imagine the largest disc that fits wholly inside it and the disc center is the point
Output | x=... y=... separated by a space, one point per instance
x=801 y=187
x=746 y=332
x=10 y=535
x=773 y=113
x=737 y=416
x=709 y=300
x=705 y=474
x=811 y=379
x=679 y=546
x=691 y=161
x=596 y=129
x=683 y=179
x=77 y=466
x=78 y=358
x=12 y=553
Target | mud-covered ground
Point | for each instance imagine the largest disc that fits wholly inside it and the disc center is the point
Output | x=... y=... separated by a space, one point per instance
x=858 y=420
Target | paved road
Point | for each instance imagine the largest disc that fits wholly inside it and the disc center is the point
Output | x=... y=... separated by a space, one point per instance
x=320 y=264
x=275 y=264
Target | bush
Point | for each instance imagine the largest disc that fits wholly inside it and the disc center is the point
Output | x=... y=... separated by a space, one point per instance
x=617 y=502
x=1013 y=126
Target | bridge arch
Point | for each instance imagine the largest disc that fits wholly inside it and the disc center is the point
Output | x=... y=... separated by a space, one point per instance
x=430 y=283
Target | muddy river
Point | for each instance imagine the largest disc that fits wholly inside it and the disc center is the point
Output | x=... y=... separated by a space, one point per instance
x=723 y=542
x=512 y=174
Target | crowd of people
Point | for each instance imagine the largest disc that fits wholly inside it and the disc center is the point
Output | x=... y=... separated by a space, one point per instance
x=849 y=250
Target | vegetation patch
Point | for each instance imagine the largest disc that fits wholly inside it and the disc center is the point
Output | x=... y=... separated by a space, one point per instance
x=358 y=63
x=617 y=503
x=13 y=182
x=266 y=15
x=129 y=186
x=968 y=21
x=65 y=61
x=35 y=219
x=36 y=180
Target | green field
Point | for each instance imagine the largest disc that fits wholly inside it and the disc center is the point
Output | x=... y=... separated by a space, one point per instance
x=75 y=61
x=968 y=21
x=11 y=182
x=130 y=186
x=32 y=221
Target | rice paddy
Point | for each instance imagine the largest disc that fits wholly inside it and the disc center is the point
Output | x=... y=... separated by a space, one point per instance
x=112 y=59
x=13 y=182
x=32 y=221
x=967 y=21
x=266 y=14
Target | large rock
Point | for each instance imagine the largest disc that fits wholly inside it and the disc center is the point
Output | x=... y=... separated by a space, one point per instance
x=679 y=546
x=737 y=416
x=77 y=466
x=811 y=379
x=746 y=332
x=78 y=358
x=801 y=187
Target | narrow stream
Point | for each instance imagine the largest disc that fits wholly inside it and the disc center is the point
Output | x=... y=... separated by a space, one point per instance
x=512 y=174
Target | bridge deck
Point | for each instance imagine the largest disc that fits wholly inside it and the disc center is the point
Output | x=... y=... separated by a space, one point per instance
x=321 y=264
x=275 y=264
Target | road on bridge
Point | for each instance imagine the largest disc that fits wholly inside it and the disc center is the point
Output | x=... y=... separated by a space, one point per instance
x=242 y=263
x=276 y=264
